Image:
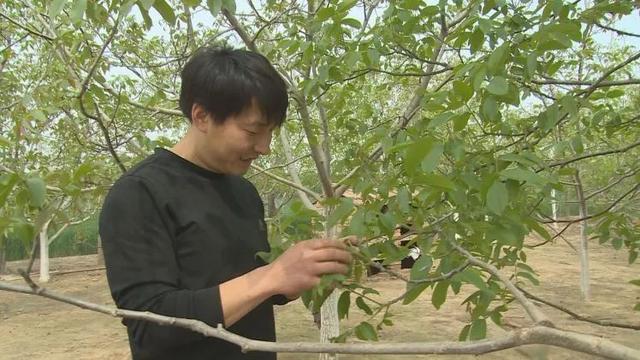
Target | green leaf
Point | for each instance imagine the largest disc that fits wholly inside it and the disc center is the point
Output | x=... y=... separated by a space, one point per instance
x=498 y=86
x=460 y=121
x=55 y=8
x=523 y=175
x=77 y=11
x=439 y=295
x=464 y=334
x=635 y=282
x=165 y=11
x=437 y=180
x=191 y=3
x=344 y=302
x=529 y=276
x=498 y=58
x=214 y=7
x=364 y=331
x=532 y=64
x=576 y=144
x=472 y=276
x=476 y=40
x=478 y=329
x=4 y=142
x=440 y=119
x=415 y=153
x=363 y=305
x=37 y=191
x=340 y=212
x=497 y=197
x=7 y=183
x=420 y=269
x=463 y=90
x=229 y=5
x=24 y=232
x=354 y=23
x=432 y=158
x=146 y=4
x=413 y=291
x=324 y=14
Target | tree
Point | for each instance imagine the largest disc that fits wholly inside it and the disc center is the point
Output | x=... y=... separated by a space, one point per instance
x=426 y=109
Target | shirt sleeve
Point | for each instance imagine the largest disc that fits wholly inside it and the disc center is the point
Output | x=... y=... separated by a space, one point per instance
x=142 y=270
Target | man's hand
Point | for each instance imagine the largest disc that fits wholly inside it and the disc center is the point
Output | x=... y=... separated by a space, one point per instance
x=301 y=266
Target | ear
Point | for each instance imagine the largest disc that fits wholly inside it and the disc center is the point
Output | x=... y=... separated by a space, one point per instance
x=199 y=117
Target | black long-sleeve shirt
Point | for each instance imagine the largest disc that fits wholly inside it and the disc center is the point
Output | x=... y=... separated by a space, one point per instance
x=172 y=232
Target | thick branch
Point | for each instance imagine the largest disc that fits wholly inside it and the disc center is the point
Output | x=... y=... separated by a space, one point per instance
x=293 y=172
x=240 y=30
x=533 y=335
x=410 y=111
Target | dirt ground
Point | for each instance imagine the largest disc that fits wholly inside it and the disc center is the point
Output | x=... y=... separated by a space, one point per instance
x=38 y=328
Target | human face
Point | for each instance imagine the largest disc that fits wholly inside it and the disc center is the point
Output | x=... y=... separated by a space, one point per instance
x=230 y=147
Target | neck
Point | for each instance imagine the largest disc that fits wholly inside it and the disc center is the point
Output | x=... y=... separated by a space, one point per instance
x=186 y=148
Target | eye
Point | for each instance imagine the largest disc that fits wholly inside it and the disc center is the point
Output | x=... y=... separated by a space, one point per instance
x=251 y=133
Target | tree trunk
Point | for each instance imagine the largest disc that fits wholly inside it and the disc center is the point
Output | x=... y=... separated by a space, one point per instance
x=329 y=322
x=3 y=260
x=100 y=253
x=554 y=207
x=585 y=290
x=44 y=253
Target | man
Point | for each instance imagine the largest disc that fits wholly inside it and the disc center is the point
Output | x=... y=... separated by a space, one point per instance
x=181 y=230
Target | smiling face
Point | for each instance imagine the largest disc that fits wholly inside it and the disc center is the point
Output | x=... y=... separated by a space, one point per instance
x=229 y=147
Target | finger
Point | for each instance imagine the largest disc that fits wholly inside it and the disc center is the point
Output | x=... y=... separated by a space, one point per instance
x=352 y=240
x=332 y=254
x=330 y=267
x=326 y=243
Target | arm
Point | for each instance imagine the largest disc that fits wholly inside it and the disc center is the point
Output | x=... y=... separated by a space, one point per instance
x=297 y=270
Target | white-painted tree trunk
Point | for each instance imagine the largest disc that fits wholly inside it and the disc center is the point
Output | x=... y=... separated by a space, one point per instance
x=44 y=253
x=585 y=290
x=100 y=253
x=554 y=207
x=329 y=322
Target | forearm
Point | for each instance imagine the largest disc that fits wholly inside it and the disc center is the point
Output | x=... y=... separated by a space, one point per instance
x=242 y=294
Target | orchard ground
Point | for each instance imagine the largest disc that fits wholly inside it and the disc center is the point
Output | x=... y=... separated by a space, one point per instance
x=38 y=328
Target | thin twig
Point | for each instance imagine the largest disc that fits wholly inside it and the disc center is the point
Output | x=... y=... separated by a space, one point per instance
x=578 y=316
x=536 y=315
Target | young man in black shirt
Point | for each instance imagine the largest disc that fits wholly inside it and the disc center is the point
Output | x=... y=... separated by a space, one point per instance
x=181 y=230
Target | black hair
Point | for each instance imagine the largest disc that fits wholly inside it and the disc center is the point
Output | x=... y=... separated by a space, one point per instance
x=226 y=81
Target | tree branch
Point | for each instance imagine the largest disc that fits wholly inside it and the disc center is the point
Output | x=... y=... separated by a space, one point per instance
x=26 y=28
x=594 y=86
x=536 y=315
x=313 y=194
x=617 y=31
x=586 y=156
x=410 y=111
x=293 y=172
x=525 y=336
x=578 y=316
x=586 y=83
